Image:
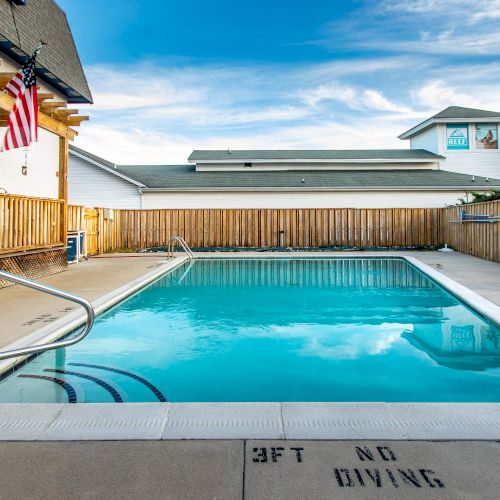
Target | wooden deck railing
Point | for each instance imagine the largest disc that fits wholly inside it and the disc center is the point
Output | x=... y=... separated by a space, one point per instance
x=28 y=223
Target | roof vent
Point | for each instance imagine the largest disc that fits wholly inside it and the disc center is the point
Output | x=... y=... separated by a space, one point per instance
x=303 y=181
x=473 y=178
x=247 y=164
x=19 y=2
x=228 y=151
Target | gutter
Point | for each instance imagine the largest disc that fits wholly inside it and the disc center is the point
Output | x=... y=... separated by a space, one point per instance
x=319 y=189
x=431 y=159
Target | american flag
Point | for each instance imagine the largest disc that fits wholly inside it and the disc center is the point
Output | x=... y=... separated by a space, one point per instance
x=22 y=124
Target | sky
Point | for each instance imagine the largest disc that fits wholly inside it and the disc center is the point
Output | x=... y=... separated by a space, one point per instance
x=170 y=76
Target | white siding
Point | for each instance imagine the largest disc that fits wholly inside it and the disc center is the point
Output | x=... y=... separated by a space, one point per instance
x=485 y=162
x=353 y=165
x=43 y=167
x=354 y=199
x=428 y=140
x=92 y=186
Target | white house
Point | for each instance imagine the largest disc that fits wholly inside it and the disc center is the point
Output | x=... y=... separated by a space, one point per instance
x=61 y=81
x=413 y=177
x=95 y=182
x=467 y=137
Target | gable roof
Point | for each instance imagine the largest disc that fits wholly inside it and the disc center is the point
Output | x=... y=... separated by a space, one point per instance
x=459 y=112
x=23 y=26
x=321 y=155
x=452 y=114
x=186 y=178
x=105 y=165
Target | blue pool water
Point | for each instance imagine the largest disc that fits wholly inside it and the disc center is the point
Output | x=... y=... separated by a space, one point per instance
x=276 y=330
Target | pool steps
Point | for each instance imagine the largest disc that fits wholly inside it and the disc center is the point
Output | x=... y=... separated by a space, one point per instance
x=112 y=389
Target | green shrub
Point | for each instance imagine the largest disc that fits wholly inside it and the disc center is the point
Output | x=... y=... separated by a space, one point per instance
x=492 y=195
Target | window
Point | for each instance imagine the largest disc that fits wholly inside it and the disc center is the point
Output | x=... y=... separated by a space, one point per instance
x=457 y=136
x=486 y=136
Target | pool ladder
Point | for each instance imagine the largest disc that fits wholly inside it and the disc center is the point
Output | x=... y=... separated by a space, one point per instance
x=182 y=243
x=89 y=322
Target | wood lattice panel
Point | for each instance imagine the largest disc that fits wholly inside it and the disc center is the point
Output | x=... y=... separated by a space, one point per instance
x=34 y=266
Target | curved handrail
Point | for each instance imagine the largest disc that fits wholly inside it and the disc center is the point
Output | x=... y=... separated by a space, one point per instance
x=183 y=244
x=26 y=351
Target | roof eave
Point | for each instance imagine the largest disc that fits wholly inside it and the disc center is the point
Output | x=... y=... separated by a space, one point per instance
x=422 y=127
x=432 y=159
x=19 y=56
x=333 y=188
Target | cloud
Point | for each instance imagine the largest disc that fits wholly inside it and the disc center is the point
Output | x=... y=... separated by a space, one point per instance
x=468 y=11
x=479 y=95
x=442 y=27
x=328 y=92
x=375 y=100
x=427 y=6
x=119 y=89
x=348 y=102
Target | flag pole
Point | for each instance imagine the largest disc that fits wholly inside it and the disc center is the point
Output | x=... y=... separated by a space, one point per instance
x=24 y=169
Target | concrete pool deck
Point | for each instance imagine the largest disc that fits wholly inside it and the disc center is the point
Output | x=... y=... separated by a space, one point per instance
x=250 y=470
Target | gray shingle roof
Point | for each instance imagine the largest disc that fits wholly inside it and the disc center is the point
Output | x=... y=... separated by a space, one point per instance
x=315 y=154
x=451 y=113
x=185 y=177
x=459 y=112
x=24 y=26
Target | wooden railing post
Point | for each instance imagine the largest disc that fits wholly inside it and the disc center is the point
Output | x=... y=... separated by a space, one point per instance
x=63 y=187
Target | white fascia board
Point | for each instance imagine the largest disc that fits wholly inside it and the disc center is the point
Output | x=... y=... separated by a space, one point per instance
x=323 y=160
x=107 y=169
x=318 y=189
x=421 y=127
x=417 y=128
x=469 y=120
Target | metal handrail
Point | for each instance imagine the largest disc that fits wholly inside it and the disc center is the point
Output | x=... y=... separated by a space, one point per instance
x=26 y=351
x=183 y=244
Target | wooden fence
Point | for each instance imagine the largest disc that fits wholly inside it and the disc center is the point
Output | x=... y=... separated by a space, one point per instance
x=258 y=228
x=300 y=228
x=481 y=239
x=28 y=223
x=103 y=232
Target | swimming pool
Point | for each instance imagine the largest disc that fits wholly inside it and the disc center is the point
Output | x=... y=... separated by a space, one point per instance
x=273 y=329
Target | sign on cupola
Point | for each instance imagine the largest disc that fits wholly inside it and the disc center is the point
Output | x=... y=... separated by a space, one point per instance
x=457 y=136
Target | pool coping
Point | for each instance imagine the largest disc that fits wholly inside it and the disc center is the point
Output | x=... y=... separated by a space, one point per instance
x=298 y=421
x=156 y=421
